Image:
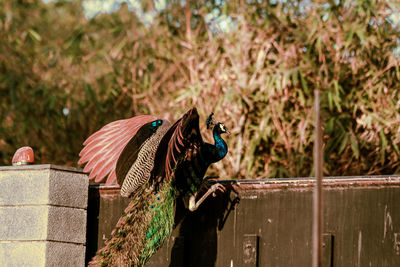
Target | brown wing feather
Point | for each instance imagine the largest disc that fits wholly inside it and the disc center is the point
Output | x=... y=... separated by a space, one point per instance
x=186 y=133
x=103 y=148
x=173 y=149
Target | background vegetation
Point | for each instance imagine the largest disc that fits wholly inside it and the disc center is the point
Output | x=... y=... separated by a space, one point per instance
x=63 y=76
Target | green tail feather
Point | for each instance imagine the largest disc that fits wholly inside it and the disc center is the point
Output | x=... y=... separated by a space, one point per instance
x=147 y=222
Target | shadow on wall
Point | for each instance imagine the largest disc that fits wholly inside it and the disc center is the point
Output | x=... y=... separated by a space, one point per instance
x=196 y=241
x=92 y=231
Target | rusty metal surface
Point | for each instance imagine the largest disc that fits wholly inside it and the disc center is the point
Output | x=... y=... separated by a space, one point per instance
x=293 y=183
x=269 y=223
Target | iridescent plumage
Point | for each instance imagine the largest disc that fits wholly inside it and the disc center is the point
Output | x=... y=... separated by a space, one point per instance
x=154 y=163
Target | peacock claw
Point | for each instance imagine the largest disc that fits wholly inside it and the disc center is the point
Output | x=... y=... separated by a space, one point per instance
x=217 y=188
x=193 y=204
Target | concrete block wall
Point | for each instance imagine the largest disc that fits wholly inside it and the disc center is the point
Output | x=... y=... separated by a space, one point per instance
x=43 y=213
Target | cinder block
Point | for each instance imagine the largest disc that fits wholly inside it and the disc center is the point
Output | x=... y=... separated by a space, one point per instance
x=24 y=187
x=41 y=253
x=66 y=224
x=43 y=223
x=68 y=189
x=22 y=254
x=43 y=184
x=42 y=216
x=23 y=223
x=64 y=254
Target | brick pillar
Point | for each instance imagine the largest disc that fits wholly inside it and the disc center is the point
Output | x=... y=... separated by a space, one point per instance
x=42 y=216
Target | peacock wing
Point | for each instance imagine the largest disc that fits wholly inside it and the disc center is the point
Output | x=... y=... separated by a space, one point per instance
x=104 y=147
x=136 y=161
x=179 y=140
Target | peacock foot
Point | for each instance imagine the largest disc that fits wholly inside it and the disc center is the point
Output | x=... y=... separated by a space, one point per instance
x=217 y=188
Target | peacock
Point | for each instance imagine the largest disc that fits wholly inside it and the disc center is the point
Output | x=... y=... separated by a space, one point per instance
x=154 y=163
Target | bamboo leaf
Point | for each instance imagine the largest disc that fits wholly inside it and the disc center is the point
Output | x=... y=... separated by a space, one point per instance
x=349 y=38
x=354 y=145
x=344 y=143
x=34 y=35
x=383 y=146
x=303 y=82
x=330 y=101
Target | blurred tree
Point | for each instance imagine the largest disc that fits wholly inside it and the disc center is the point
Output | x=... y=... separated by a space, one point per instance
x=255 y=63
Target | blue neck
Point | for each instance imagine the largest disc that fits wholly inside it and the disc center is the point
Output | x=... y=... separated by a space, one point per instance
x=220 y=145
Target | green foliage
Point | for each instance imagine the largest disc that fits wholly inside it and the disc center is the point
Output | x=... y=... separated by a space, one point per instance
x=258 y=79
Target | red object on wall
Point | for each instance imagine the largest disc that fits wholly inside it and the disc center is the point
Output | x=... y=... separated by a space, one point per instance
x=23 y=156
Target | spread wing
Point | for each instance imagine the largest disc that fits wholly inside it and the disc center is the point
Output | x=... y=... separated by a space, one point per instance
x=136 y=161
x=174 y=146
x=104 y=147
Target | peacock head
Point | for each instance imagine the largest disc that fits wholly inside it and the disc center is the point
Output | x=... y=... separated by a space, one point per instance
x=222 y=128
x=219 y=127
